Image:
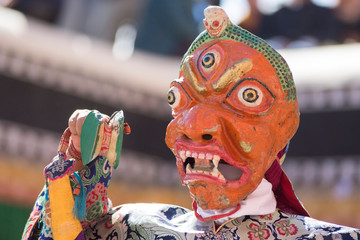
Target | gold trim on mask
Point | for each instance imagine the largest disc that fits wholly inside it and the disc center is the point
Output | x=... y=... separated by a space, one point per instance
x=190 y=76
x=233 y=74
x=247 y=147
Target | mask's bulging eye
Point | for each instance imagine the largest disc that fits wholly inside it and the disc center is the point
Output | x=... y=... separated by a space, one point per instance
x=250 y=96
x=173 y=97
x=208 y=60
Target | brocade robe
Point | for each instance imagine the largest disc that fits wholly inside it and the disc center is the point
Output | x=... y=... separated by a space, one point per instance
x=162 y=221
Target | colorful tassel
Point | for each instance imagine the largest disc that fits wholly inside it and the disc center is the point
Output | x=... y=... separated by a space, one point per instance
x=79 y=209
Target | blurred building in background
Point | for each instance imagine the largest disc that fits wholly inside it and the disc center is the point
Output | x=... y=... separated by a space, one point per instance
x=58 y=56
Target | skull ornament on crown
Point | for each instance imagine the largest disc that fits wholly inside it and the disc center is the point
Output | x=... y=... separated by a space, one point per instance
x=215 y=21
x=235 y=110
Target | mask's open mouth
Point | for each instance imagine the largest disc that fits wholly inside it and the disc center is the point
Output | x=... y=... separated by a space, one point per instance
x=197 y=164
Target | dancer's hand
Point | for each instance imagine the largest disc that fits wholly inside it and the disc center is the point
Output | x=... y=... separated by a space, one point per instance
x=76 y=122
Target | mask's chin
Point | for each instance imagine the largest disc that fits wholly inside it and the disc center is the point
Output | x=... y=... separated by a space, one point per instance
x=214 y=196
x=216 y=186
x=217 y=193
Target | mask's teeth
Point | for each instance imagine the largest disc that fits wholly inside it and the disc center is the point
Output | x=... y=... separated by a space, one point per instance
x=209 y=156
x=216 y=160
x=188 y=154
x=188 y=168
x=220 y=176
x=215 y=172
x=182 y=155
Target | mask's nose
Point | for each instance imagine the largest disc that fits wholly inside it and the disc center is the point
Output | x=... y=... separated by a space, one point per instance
x=200 y=123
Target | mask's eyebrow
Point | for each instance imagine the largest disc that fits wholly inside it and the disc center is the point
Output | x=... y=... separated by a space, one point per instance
x=178 y=82
x=190 y=76
x=233 y=74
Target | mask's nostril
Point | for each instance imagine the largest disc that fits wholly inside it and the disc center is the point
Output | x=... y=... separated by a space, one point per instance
x=186 y=137
x=206 y=136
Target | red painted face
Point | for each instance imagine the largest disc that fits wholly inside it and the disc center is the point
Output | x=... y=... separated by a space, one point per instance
x=230 y=120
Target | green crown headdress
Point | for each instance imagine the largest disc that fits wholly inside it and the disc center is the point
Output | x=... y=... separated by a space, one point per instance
x=218 y=26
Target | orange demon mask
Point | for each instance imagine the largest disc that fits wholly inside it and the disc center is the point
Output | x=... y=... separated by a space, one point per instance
x=234 y=109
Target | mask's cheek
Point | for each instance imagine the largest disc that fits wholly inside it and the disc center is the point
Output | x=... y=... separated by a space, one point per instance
x=171 y=133
x=287 y=123
x=249 y=143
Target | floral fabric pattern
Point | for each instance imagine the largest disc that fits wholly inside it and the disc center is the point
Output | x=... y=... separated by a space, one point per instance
x=160 y=221
x=258 y=232
x=285 y=228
